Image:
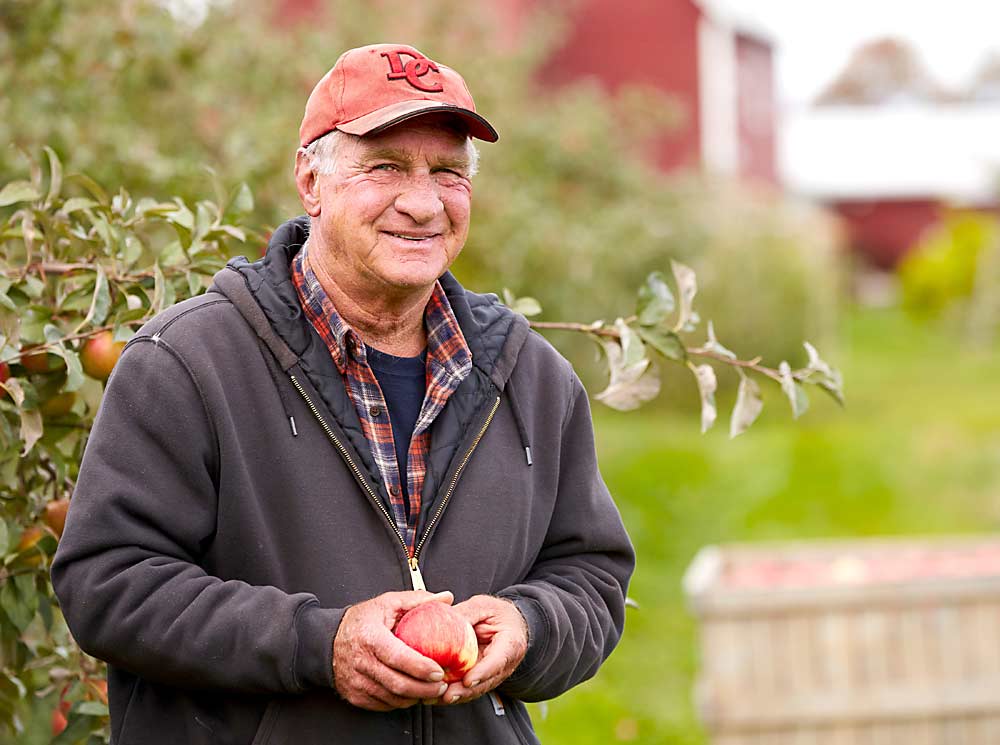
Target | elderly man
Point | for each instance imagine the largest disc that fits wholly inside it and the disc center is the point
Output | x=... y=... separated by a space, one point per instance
x=285 y=465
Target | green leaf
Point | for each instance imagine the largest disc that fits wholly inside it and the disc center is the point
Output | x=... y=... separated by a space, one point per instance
x=748 y=405
x=5 y=301
x=687 y=288
x=18 y=191
x=241 y=202
x=4 y=538
x=707 y=384
x=95 y=189
x=91 y=708
x=633 y=350
x=526 y=306
x=133 y=249
x=183 y=221
x=12 y=685
x=55 y=175
x=27 y=590
x=713 y=344
x=74 y=369
x=151 y=208
x=101 y=302
x=14 y=608
x=163 y=291
x=629 y=386
x=665 y=342
x=31 y=428
x=32 y=286
x=123 y=333
x=13 y=387
x=793 y=391
x=656 y=301
x=104 y=232
x=75 y=204
x=826 y=377
x=234 y=232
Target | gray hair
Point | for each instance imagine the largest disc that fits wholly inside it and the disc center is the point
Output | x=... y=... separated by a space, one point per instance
x=323 y=152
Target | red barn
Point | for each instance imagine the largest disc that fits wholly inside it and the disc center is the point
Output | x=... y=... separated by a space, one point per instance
x=717 y=65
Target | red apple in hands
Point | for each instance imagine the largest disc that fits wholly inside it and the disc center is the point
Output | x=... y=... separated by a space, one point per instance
x=438 y=631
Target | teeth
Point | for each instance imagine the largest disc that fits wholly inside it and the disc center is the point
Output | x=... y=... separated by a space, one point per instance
x=410 y=237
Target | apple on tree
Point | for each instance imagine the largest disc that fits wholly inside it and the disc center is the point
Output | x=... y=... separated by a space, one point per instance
x=438 y=631
x=100 y=354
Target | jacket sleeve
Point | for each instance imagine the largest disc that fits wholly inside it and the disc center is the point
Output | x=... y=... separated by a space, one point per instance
x=126 y=571
x=573 y=599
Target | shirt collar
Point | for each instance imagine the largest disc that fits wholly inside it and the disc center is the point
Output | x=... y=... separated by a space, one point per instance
x=446 y=345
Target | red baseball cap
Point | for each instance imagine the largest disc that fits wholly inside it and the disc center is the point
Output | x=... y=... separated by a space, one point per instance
x=372 y=88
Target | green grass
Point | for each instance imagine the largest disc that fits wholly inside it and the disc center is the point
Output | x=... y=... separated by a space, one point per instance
x=916 y=451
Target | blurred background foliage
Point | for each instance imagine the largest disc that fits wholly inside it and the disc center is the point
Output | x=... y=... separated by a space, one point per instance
x=567 y=208
x=953 y=275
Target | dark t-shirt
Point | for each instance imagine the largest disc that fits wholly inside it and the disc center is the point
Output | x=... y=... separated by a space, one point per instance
x=403 y=381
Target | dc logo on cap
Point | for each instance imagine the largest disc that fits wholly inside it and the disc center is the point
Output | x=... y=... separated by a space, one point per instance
x=414 y=69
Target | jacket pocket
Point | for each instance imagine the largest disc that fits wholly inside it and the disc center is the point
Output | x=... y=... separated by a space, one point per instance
x=263 y=735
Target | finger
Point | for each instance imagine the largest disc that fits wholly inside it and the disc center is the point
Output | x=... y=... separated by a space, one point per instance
x=405 y=687
x=475 y=610
x=497 y=659
x=366 y=701
x=395 y=654
x=457 y=693
x=412 y=598
x=372 y=685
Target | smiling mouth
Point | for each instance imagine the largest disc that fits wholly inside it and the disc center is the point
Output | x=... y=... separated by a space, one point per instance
x=413 y=238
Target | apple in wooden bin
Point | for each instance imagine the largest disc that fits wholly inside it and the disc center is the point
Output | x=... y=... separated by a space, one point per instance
x=440 y=632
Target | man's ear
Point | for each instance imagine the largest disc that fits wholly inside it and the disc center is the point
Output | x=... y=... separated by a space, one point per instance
x=307 y=182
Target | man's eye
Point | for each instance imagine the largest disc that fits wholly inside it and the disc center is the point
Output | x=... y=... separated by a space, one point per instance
x=384 y=167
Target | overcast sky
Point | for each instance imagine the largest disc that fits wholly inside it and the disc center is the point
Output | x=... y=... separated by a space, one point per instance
x=815 y=38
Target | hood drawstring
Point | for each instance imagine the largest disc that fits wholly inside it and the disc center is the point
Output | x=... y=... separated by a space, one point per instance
x=519 y=420
x=272 y=368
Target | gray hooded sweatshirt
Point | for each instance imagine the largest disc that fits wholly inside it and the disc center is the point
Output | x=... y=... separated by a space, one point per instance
x=228 y=511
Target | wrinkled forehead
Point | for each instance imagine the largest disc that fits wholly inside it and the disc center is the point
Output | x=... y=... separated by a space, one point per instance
x=437 y=134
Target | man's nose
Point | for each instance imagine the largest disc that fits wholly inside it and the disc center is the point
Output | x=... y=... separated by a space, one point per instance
x=419 y=198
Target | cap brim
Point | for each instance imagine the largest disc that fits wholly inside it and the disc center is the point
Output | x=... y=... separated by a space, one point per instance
x=389 y=116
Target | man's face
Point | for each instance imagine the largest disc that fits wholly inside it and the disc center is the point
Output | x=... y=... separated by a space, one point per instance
x=395 y=213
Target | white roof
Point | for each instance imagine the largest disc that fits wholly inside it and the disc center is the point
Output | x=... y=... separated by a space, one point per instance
x=736 y=15
x=894 y=151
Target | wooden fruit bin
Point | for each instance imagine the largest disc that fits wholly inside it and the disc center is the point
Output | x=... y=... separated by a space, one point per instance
x=882 y=642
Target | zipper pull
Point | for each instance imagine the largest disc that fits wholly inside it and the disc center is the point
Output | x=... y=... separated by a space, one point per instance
x=415 y=577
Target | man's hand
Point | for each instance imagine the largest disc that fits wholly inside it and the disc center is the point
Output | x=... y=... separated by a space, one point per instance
x=375 y=670
x=503 y=642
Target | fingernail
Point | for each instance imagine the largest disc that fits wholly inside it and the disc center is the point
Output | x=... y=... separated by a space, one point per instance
x=475 y=683
x=435 y=677
x=442 y=689
x=454 y=697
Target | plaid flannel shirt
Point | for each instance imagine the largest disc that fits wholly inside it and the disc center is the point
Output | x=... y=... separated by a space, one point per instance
x=449 y=362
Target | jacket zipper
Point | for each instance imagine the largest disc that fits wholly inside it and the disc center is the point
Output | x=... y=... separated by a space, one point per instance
x=454 y=482
x=372 y=496
x=416 y=579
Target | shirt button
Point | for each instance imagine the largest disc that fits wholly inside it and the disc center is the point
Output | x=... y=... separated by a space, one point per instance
x=375 y=411
x=394 y=491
